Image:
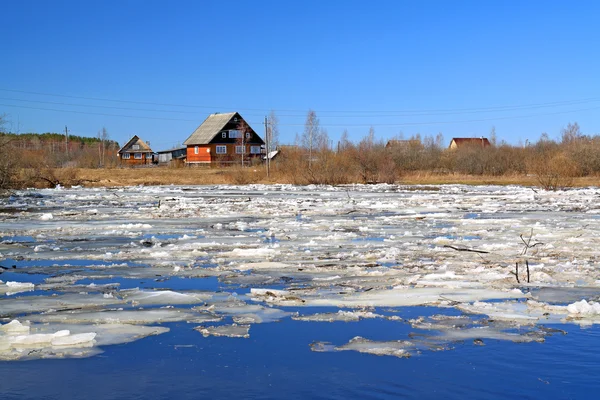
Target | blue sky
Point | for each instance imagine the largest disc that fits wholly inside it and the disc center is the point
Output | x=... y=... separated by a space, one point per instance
x=158 y=68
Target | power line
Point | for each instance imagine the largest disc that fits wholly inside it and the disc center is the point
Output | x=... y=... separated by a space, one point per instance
x=416 y=114
x=368 y=113
x=324 y=125
x=98 y=106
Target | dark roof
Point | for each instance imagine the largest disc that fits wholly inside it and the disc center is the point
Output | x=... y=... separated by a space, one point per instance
x=211 y=127
x=172 y=150
x=480 y=141
x=144 y=147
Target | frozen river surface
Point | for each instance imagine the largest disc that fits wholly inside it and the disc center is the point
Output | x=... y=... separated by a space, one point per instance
x=281 y=291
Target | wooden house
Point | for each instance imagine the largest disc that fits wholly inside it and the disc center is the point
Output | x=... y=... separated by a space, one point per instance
x=456 y=143
x=135 y=152
x=223 y=138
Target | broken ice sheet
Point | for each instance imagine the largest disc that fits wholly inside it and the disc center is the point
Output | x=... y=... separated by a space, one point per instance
x=51 y=340
x=242 y=312
x=140 y=317
x=341 y=315
x=71 y=301
x=9 y=288
x=395 y=348
x=395 y=297
x=233 y=331
x=163 y=297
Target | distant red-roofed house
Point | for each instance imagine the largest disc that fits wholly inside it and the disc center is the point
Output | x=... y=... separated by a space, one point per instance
x=456 y=143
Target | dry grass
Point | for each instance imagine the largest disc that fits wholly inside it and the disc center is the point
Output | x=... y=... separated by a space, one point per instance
x=228 y=175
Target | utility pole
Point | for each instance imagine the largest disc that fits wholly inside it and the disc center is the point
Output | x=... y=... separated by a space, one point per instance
x=268 y=142
x=67 y=141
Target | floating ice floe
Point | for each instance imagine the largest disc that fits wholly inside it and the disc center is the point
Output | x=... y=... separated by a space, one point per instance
x=396 y=348
x=234 y=331
x=344 y=316
x=9 y=288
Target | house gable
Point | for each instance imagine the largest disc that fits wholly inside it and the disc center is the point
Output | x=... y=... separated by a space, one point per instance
x=135 y=145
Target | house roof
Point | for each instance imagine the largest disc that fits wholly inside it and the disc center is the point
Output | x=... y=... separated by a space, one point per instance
x=171 y=150
x=144 y=148
x=211 y=126
x=480 y=141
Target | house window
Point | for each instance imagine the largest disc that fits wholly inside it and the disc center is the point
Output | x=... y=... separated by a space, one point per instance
x=126 y=156
x=224 y=134
x=240 y=149
x=196 y=149
x=137 y=156
x=235 y=134
x=135 y=147
x=254 y=149
x=221 y=149
x=248 y=134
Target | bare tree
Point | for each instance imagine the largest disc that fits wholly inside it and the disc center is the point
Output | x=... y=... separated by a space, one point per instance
x=273 y=130
x=103 y=136
x=493 y=138
x=314 y=137
x=571 y=133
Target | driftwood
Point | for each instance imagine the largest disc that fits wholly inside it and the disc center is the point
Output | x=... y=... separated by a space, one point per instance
x=466 y=249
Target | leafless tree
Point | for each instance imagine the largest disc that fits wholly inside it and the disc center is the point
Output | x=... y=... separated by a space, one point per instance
x=103 y=136
x=273 y=130
x=314 y=137
x=571 y=133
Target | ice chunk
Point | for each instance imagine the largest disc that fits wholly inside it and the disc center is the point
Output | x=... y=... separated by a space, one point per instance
x=396 y=348
x=10 y=288
x=163 y=297
x=584 y=308
x=77 y=340
x=14 y=327
x=345 y=316
x=46 y=217
x=234 y=330
x=116 y=316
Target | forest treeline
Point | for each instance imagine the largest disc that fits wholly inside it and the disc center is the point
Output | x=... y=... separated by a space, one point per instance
x=46 y=159
x=554 y=163
x=49 y=159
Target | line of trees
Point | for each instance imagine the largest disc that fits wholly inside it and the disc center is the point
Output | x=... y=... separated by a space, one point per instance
x=29 y=158
x=554 y=163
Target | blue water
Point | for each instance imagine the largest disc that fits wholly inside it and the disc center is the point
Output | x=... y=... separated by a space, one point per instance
x=276 y=363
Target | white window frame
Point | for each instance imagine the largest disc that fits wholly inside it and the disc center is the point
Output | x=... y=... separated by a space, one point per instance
x=196 y=149
x=248 y=135
x=135 y=147
x=240 y=150
x=224 y=134
x=126 y=156
x=255 y=150
x=137 y=156
x=221 y=149
x=235 y=134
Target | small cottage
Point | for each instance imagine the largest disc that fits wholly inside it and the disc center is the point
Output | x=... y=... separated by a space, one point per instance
x=135 y=152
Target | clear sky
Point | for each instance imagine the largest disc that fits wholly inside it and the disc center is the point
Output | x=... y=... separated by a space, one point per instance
x=158 y=68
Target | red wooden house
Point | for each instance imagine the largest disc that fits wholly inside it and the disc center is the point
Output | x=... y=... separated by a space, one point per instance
x=223 y=138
